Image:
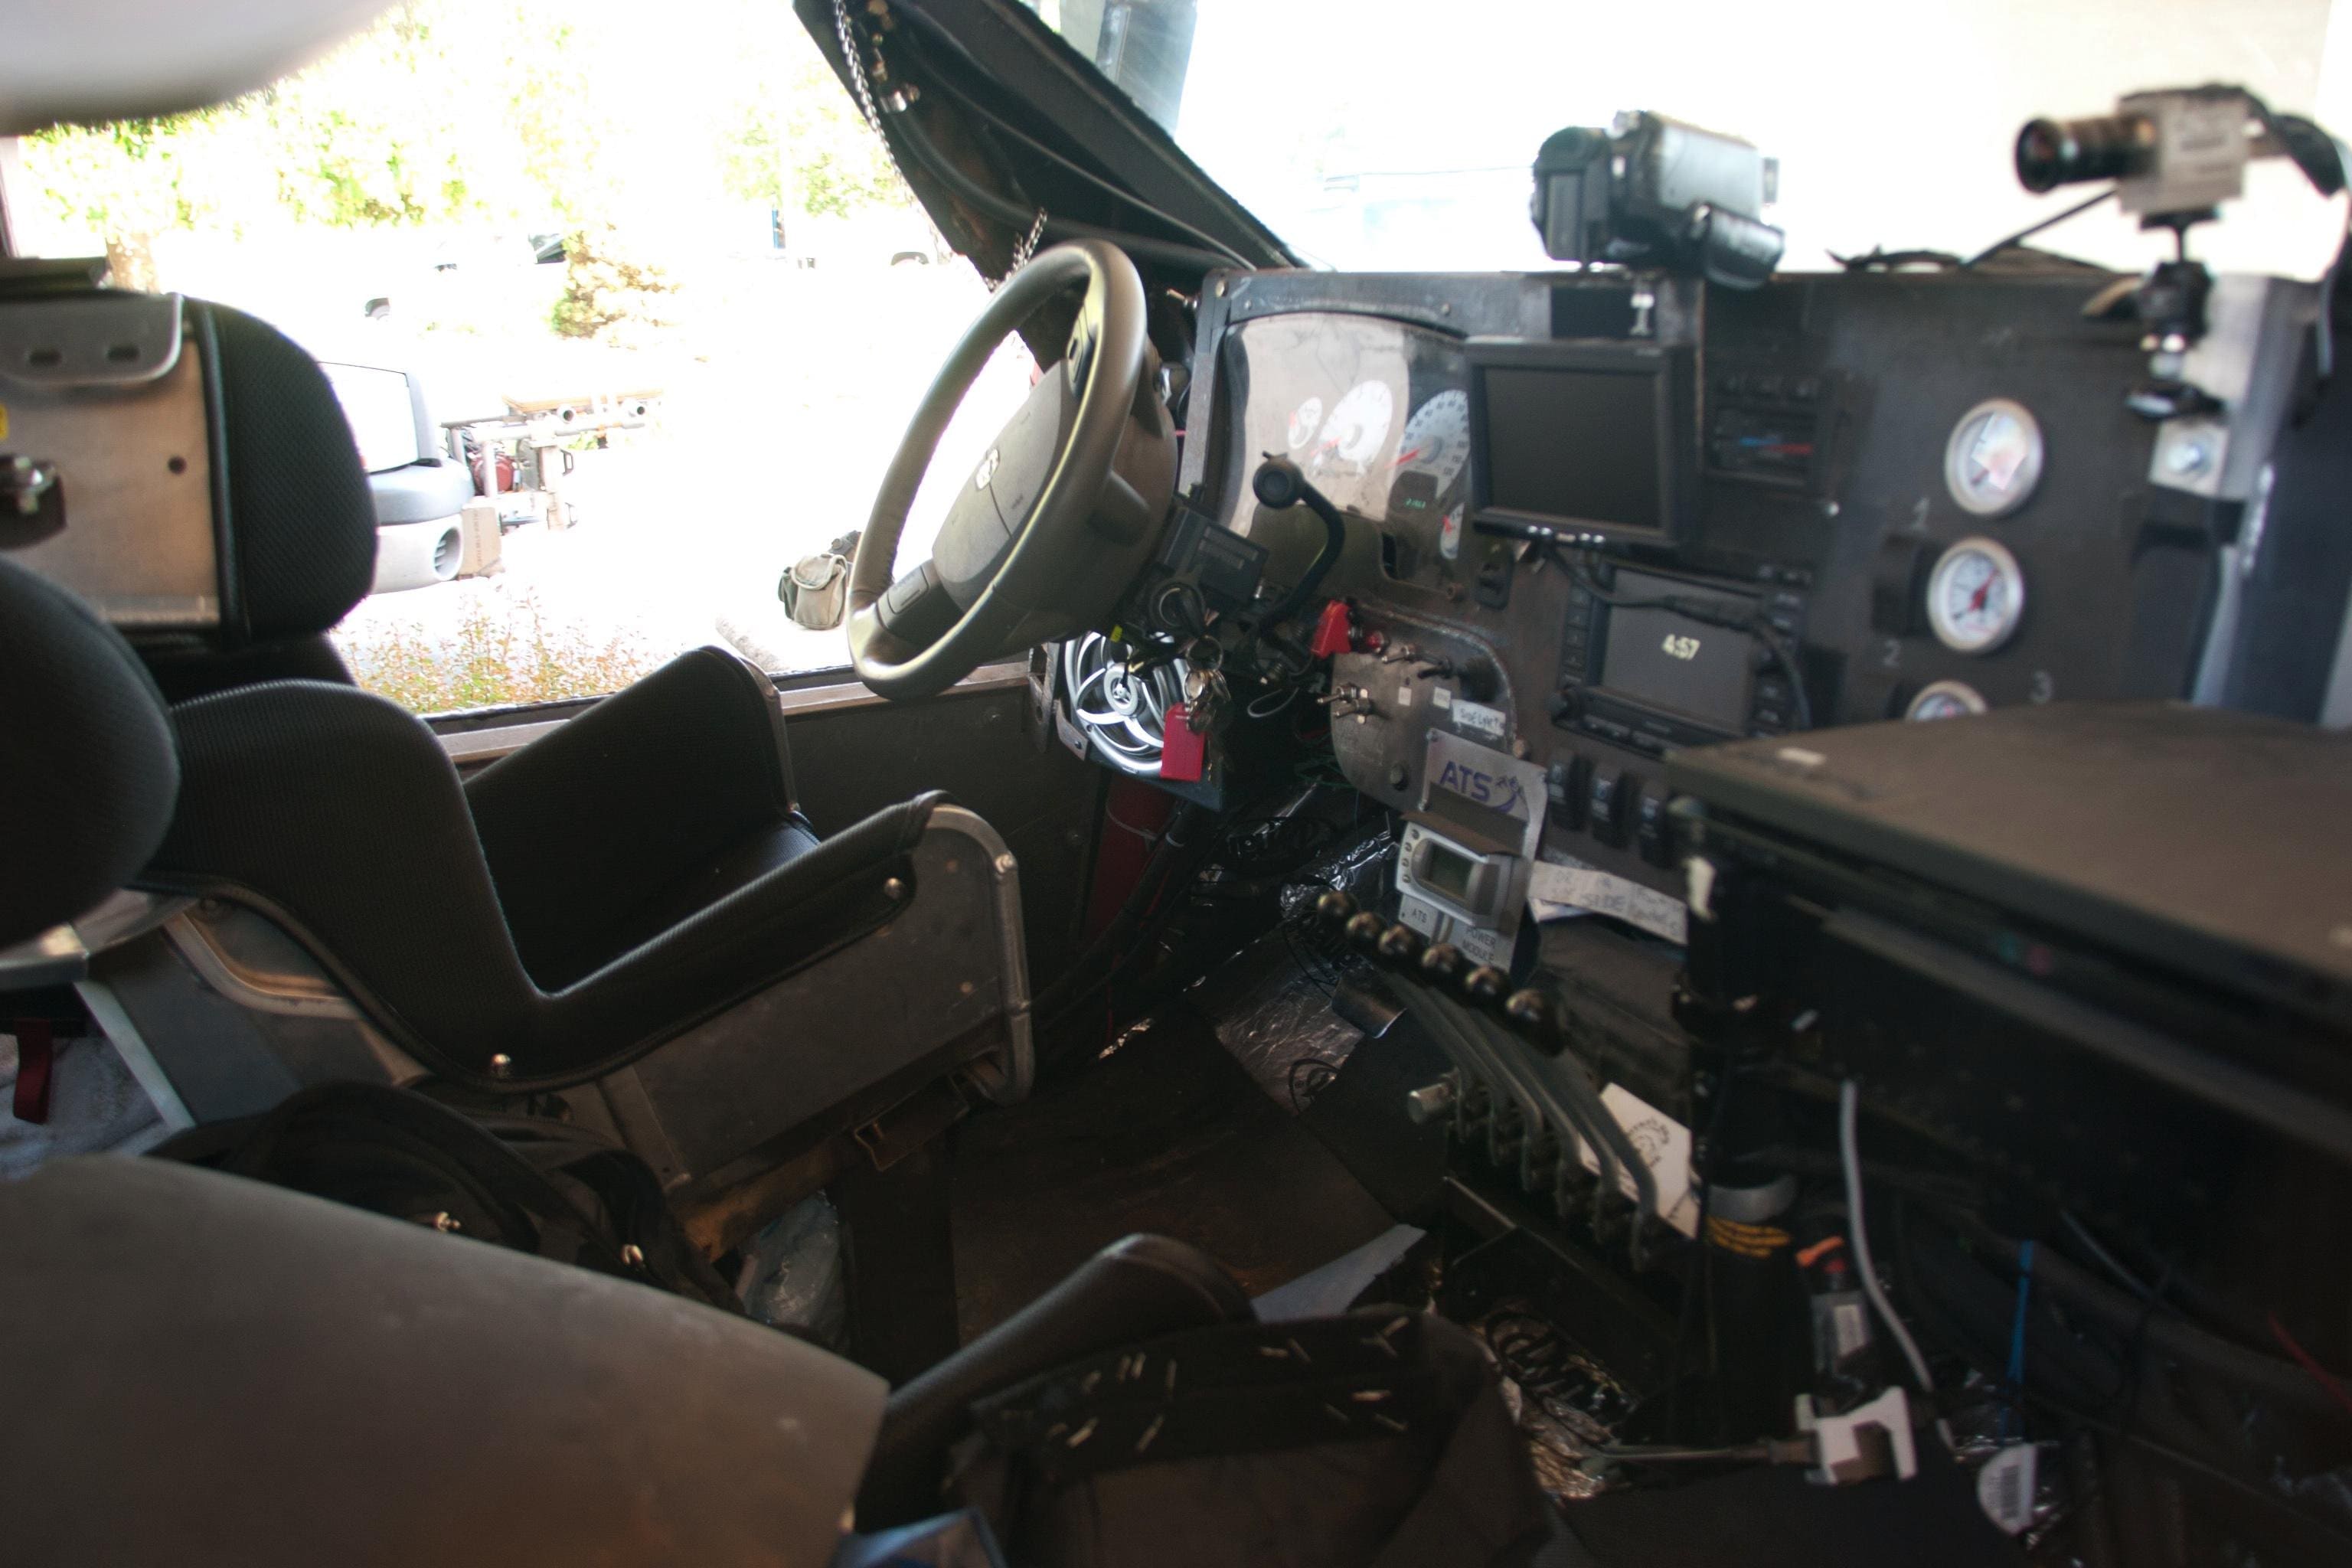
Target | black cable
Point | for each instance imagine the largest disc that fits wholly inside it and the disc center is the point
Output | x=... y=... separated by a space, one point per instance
x=1325 y=1073
x=1050 y=1004
x=1697 y=1263
x=2279 y=1379
x=1877 y=261
x=2030 y=230
x=1158 y=896
x=998 y=123
x=1006 y=210
x=1783 y=655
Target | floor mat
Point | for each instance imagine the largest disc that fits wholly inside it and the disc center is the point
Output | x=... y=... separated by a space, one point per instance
x=1167 y=1134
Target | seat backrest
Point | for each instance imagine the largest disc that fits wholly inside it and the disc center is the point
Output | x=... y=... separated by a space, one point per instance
x=199 y=482
x=338 y=814
x=91 y=769
x=205 y=1370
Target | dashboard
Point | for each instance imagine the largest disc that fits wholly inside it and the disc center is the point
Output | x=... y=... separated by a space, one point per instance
x=1598 y=518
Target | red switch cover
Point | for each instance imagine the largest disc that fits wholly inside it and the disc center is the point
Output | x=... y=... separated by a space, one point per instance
x=1332 y=632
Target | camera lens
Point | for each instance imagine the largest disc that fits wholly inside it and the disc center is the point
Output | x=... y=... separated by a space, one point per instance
x=2053 y=152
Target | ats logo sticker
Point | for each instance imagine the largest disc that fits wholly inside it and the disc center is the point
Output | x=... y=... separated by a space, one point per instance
x=1495 y=792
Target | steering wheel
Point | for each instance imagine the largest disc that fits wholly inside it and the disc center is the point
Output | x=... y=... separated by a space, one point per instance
x=1060 y=513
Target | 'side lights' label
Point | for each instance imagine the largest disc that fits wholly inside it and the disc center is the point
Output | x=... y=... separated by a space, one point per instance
x=1478 y=719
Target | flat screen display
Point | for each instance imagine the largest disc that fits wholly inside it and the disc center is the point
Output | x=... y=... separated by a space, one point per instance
x=1447 y=872
x=1661 y=659
x=1577 y=444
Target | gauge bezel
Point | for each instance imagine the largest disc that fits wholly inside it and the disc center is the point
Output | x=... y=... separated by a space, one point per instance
x=1458 y=440
x=2003 y=564
x=1960 y=691
x=2028 y=477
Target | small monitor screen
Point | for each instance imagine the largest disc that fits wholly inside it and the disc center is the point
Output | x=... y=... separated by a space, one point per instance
x=1661 y=659
x=1447 y=872
x=1579 y=445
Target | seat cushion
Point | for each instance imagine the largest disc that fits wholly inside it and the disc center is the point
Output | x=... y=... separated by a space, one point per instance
x=658 y=800
x=733 y=869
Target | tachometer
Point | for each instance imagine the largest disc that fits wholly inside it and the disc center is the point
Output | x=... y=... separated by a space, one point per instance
x=1438 y=438
x=1356 y=428
x=1976 y=596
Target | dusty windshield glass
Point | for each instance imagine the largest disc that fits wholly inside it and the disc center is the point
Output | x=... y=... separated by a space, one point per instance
x=1397 y=135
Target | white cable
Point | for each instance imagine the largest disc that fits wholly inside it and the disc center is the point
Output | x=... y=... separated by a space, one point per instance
x=1848 y=1102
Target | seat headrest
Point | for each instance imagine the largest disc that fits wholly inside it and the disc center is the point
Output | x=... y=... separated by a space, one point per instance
x=92 y=772
x=204 y=487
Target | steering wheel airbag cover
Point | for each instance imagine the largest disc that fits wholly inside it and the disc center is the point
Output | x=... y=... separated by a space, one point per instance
x=1111 y=343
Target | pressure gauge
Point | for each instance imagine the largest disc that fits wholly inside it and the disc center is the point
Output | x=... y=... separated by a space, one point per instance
x=1993 y=460
x=1976 y=596
x=1946 y=699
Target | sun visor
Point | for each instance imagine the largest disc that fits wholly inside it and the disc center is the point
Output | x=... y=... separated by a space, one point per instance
x=97 y=60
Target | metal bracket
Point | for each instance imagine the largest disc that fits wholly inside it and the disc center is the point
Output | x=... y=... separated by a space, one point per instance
x=85 y=340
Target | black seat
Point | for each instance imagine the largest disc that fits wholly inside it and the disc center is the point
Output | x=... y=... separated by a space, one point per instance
x=637 y=873
x=605 y=888
x=92 y=771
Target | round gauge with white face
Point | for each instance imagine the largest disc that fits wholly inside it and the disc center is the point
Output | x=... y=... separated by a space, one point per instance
x=1993 y=460
x=1436 y=439
x=1946 y=699
x=1305 y=420
x=1356 y=428
x=1976 y=596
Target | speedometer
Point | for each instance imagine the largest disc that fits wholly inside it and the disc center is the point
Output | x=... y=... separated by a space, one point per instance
x=1438 y=438
x=1356 y=428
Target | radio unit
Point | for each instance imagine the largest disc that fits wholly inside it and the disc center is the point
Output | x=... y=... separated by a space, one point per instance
x=1639 y=668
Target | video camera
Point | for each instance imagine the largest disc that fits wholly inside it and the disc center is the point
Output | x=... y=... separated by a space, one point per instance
x=1653 y=192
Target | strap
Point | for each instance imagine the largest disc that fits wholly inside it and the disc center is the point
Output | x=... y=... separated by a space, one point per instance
x=1235 y=1389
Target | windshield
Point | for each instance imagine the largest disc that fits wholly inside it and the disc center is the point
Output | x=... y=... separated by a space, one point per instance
x=626 y=316
x=1397 y=135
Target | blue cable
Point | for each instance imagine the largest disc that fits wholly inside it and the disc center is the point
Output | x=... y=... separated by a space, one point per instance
x=2017 y=1334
